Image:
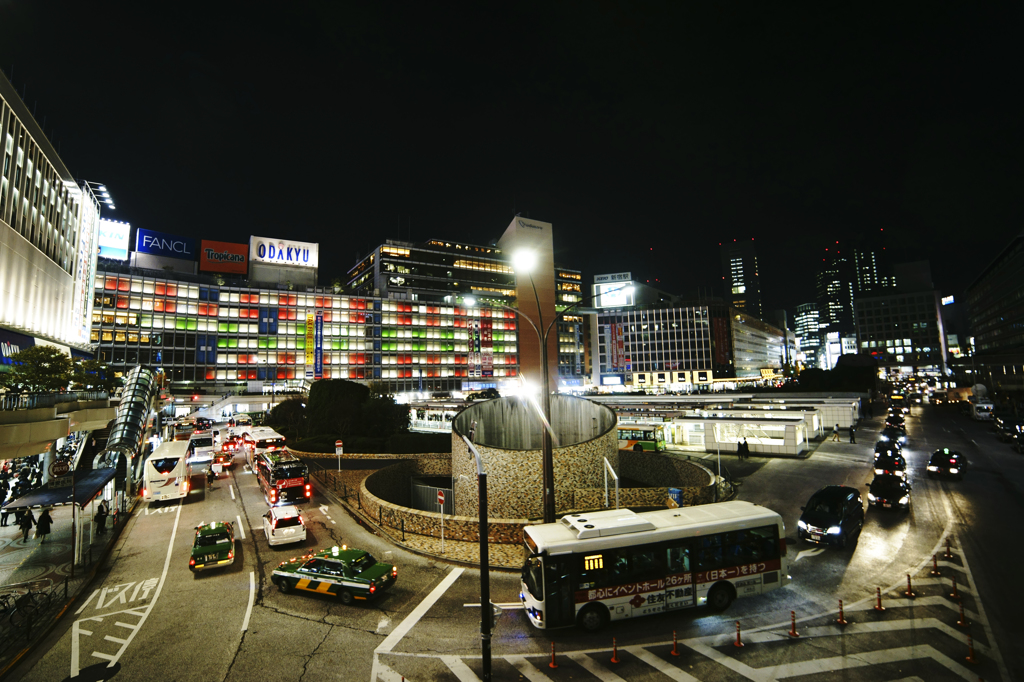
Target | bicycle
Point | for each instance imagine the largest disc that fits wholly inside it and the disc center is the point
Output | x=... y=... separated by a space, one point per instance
x=21 y=608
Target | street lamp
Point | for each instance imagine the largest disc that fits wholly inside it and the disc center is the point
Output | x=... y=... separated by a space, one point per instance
x=525 y=259
x=485 y=576
x=100 y=193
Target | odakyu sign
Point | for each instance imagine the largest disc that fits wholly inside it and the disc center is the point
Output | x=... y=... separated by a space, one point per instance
x=167 y=245
x=283 y=252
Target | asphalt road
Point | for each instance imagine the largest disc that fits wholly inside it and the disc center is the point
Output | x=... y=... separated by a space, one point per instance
x=151 y=619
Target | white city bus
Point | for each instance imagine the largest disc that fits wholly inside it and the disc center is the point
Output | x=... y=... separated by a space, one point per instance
x=265 y=439
x=167 y=472
x=587 y=569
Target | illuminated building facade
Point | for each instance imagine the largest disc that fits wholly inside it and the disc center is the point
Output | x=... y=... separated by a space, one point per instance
x=740 y=274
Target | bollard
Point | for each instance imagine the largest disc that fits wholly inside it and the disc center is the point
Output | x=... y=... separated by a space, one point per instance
x=954 y=594
x=738 y=642
x=909 y=594
x=963 y=622
x=949 y=553
x=935 y=565
x=878 y=602
x=970 y=650
x=615 y=651
x=841 y=619
x=674 y=652
x=792 y=625
x=552 y=664
x=403 y=529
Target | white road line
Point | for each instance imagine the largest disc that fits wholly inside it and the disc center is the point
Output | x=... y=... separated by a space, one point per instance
x=824 y=665
x=410 y=621
x=526 y=669
x=507 y=606
x=231 y=489
x=726 y=660
x=240 y=529
x=86 y=602
x=461 y=670
x=595 y=668
x=662 y=666
x=252 y=600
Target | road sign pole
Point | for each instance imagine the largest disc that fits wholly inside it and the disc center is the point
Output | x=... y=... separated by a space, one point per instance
x=440 y=503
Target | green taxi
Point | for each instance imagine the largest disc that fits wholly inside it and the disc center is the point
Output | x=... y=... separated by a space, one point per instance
x=348 y=574
x=213 y=546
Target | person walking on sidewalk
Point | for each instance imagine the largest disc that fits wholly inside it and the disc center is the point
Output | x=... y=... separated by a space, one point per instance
x=101 y=517
x=853 y=430
x=746 y=448
x=835 y=434
x=43 y=525
x=26 y=522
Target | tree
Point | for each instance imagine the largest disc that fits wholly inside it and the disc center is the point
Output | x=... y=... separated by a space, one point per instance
x=92 y=374
x=39 y=368
x=335 y=406
x=383 y=417
x=291 y=415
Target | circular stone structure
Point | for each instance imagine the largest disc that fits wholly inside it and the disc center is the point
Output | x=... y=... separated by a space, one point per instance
x=508 y=437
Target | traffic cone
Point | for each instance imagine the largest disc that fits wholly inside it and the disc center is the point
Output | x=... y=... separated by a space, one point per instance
x=552 y=664
x=675 y=651
x=841 y=619
x=955 y=594
x=878 y=601
x=792 y=625
x=737 y=642
x=962 y=622
x=909 y=594
x=970 y=650
x=615 y=651
x=949 y=553
x=935 y=565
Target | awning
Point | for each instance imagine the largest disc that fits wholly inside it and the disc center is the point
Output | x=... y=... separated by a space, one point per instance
x=87 y=485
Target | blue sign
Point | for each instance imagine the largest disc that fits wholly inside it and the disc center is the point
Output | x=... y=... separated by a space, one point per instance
x=318 y=335
x=167 y=245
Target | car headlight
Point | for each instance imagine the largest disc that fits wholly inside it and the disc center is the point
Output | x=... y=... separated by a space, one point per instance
x=871 y=497
x=954 y=471
x=885 y=438
x=905 y=500
x=835 y=530
x=801 y=525
x=933 y=468
x=879 y=471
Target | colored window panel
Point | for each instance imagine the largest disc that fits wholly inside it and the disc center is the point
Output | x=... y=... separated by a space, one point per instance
x=192 y=324
x=180 y=323
x=233 y=327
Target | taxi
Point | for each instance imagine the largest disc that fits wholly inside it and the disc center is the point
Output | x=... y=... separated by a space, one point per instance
x=347 y=573
x=213 y=546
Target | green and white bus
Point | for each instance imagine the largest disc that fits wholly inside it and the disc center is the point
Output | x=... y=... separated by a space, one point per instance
x=637 y=436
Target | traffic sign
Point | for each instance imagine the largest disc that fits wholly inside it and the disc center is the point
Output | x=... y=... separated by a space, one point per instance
x=440 y=497
x=58 y=469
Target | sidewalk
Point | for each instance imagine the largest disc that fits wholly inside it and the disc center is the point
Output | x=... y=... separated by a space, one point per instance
x=50 y=563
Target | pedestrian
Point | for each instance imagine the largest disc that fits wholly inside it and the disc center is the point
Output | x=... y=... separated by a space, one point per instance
x=26 y=522
x=4 y=514
x=43 y=525
x=746 y=448
x=101 y=517
x=852 y=431
x=210 y=476
x=835 y=434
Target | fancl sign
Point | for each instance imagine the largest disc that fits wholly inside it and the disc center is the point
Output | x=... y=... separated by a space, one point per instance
x=283 y=252
x=167 y=245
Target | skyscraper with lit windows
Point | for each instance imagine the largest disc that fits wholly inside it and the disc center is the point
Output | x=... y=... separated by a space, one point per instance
x=741 y=278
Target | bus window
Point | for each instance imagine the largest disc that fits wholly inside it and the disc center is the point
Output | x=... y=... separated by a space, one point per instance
x=678 y=559
x=165 y=465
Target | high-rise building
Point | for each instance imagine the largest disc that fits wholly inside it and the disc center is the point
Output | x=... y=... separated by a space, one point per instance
x=49 y=227
x=997 y=319
x=740 y=274
x=835 y=289
x=806 y=322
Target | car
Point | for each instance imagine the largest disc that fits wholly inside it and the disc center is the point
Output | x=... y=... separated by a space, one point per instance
x=283 y=525
x=1007 y=427
x=896 y=421
x=213 y=546
x=834 y=515
x=890 y=462
x=884 y=446
x=888 y=491
x=947 y=462
x=891 y=434
x=347 y=573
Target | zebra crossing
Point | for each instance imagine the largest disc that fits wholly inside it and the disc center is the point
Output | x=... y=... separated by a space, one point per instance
x=930 y=635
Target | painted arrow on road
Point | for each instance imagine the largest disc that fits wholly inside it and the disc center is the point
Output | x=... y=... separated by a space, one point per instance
x=809 y=552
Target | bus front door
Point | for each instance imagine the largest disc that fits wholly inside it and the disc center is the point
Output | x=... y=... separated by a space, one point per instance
x=559 y=604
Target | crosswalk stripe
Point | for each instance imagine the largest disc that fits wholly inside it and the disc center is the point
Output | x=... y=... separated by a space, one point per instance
x=595 y=668
x=461 y=670
x=526 y=669
x=823 y=665
x=660 y=665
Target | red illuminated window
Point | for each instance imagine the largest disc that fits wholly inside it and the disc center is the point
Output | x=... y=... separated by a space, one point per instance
x=122 y=302
x=170 y=306
x=211 y=374
x=123 y=285
x=172 y=289
x=160 y=288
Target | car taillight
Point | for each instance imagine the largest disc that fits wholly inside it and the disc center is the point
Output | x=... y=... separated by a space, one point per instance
x=394 y=571
x=309 y=493
x=144 y=492
x=191 y=562
x=373 y=588
x=231 y=555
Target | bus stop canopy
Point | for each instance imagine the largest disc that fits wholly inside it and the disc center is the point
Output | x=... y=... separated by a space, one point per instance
x=87 y=485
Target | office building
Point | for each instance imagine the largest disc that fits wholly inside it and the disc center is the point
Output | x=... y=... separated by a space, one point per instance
x=808 y=333
x=741 y=278
x=997 y=320
x=834 y=288
x=48 y=239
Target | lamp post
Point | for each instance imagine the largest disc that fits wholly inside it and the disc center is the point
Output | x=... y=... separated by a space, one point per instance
x=547 y=462
x=485 y=575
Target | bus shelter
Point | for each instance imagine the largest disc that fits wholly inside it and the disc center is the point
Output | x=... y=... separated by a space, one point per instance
x=784 y=436
x=813 y=423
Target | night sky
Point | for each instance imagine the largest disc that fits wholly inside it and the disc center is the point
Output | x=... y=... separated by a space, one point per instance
x=646 y=132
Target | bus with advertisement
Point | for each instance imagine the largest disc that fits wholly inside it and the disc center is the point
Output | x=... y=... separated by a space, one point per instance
x=283 y=477
x=591 y=568
x=638 y=436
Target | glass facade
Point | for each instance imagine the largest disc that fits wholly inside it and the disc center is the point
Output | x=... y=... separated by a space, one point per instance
x=221 y=335
x=901 y=329
x=654 y=340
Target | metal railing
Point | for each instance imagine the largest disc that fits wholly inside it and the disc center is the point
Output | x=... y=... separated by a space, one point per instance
x=329 y=479
x=32 y=401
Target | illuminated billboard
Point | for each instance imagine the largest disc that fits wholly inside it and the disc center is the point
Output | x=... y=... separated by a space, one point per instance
x=165 y=245
x=283 y=252
x=223 y=257
x=613 y=295
x=113 y=239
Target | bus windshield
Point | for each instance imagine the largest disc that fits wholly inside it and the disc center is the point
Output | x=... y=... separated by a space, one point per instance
x=270 y=443
x=165 y=465
x=283 y=473
x=533 y=578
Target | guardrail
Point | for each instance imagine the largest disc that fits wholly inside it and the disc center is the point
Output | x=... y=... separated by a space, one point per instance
x=32 y=401
x=327 y=478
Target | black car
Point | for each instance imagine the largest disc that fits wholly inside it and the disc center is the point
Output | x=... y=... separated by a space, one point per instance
x=884 y=446
x=890 y=434
x=1007 y=428
x=834 y=515
x=890 y=463
x=946 y=462
x=889 y=491
x=896 y=421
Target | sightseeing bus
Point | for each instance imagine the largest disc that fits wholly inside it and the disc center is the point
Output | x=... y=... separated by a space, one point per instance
x=639 y=436
x=167 y=472
x=282 y=477
x=588 y=569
